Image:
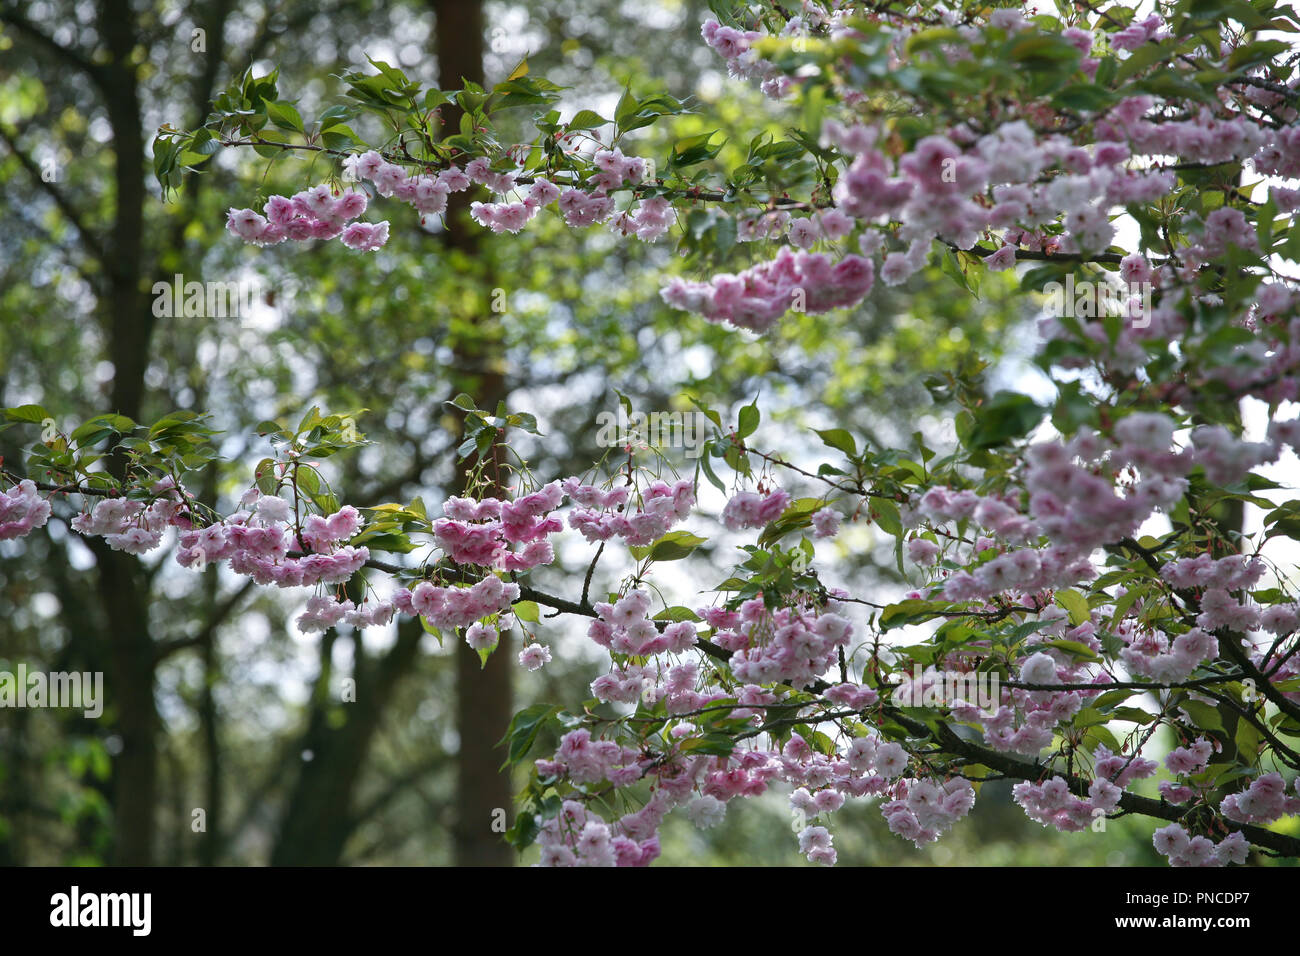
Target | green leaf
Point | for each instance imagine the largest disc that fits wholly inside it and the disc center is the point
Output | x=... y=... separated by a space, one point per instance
x=1136 y=714
x=269 y=150
x=911 y=612
x=1089 y=717
x=1252 y=54
x=1099 y=736
x=694 y=149
x=118 y=424
x=523 y=730
x=887 y=516
x=1106 y=71
x=1085 y=97
x=676 y=614
x=526 y=611
x=1247 y=739
x=627 y=106
x=1074 y=648
x=709 y=473
x=376 y=540
x=797 y=514
x=1005 y=416
x=203 y=143
x=1076 y=604
x=310 y=420
x=1123 y=604
x=709 y=413
x=1205 y=716
x=749 y=418
x=840 y=439
x=1043 y=52
x=34 y=414
x=674 y=546
x=717 y=745
x=178 y=421
x=924 y=40
x=307 y=479
x=586 y=119
x=285 y=116
x=814 y=105
x=1113 y=697
x=339 y=114
x=431 y=629
x=1141 y=58
x=340 y=136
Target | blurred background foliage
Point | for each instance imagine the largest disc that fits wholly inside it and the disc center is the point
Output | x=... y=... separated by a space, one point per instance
x=215 y=700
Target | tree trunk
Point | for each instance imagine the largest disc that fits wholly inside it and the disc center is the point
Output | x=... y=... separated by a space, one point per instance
x=483 y=694
x=123 y=592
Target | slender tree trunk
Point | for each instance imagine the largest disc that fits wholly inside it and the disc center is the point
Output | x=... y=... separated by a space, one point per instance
x=130 y=694
x=16 y=795
x=483 y=694
x=209 y=849
x=320 y=815
x=122 y=589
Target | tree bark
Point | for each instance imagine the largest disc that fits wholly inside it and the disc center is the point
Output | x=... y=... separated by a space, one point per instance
x=484 y=695
x=130 y=328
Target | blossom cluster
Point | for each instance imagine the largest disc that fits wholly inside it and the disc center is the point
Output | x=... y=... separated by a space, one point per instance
x=325 y=611
x=918 y=809
x=786 y=645
x=1024 y=720
x=584 y=760
x=604 y=514
x=1263 y=802
x=22 y=511
x=624 y=627
x=315 y=213
x=1183 y=849
x=258 y=544
x=1052 y=803
x=324 y=213
x=269 y=542
x=577 y=837
x=1078 y=501
x=927 y=809
x=1191 y=759
x=756 y=298
x=1010 y=179
x=734 y=46
x=482 y=532
x=453 y=607
x=750 y=510
x=132 y=526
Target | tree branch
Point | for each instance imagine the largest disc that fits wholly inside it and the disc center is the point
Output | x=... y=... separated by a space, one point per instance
x=64 y=205
x=74 y=58
x=165 y=649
